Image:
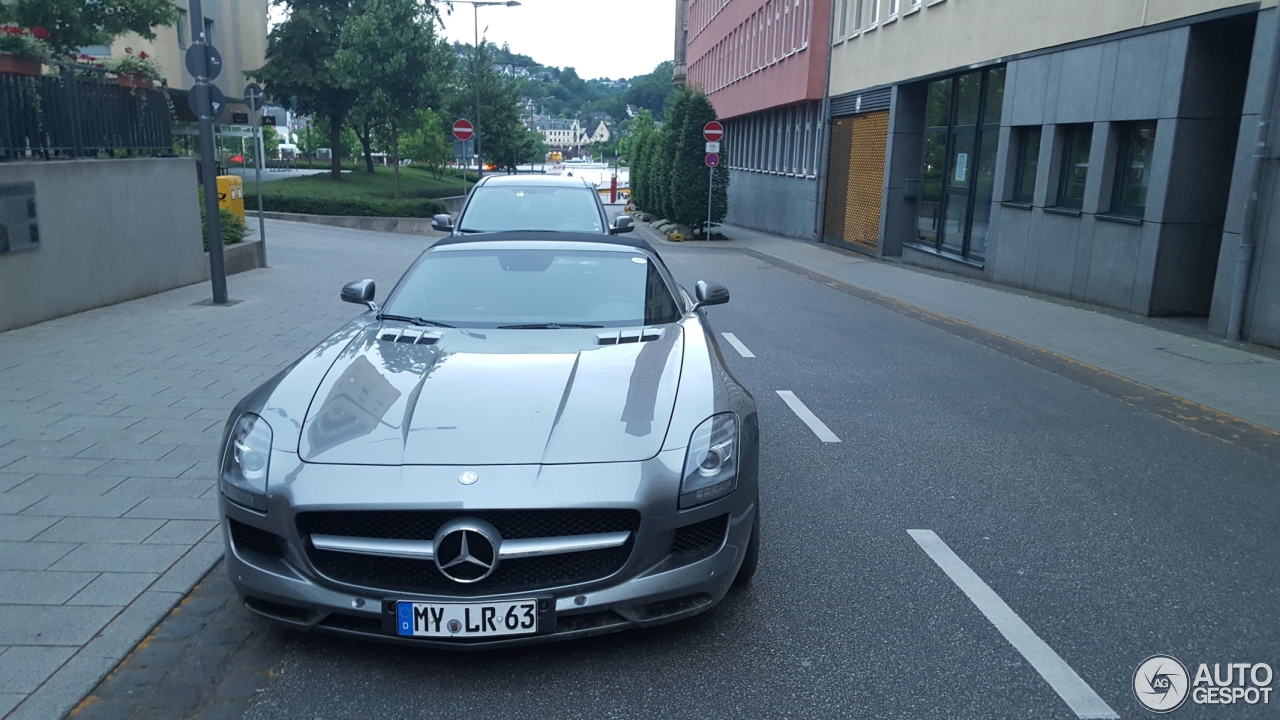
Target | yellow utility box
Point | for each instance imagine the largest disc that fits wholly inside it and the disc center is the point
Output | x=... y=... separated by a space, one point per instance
x=231 y=194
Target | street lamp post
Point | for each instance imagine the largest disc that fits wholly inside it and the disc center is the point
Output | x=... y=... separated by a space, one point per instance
x=475 y=9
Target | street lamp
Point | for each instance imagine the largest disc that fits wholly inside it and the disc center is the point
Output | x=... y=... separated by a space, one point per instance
x=475 y=9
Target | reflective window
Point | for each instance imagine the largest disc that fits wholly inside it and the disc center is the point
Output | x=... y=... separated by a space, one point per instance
x=1077 y=140
x=1027 y=163
x=499 y=287
x=1133 y=168
x=507 y=207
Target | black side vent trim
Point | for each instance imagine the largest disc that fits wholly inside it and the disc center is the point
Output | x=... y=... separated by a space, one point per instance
x=628 y=336
x=410 y=336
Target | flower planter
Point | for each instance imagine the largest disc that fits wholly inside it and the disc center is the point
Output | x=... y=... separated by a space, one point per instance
x=20 y=65
x=135 y=80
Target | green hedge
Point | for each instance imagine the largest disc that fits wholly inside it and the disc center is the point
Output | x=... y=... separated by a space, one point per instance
x=362 y=206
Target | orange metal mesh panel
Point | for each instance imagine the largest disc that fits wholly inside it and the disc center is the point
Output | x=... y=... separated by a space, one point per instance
x=866 y=179
x=838 y=178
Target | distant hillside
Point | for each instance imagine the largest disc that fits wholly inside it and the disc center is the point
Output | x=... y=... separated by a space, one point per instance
x=562 y=93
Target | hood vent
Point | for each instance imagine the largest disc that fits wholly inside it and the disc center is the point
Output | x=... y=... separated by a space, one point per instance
x=628 y=336
x=410 y=336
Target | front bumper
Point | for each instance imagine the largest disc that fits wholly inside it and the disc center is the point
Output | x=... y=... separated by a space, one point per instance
x=652 y=587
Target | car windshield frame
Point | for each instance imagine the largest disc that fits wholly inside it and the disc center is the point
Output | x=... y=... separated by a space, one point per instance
x=484 y=191
x=677 y=301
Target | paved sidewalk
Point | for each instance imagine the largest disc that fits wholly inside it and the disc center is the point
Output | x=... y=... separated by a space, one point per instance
x=110 y=422
x=1227 y=378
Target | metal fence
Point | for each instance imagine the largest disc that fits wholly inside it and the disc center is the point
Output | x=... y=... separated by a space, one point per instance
x=81 y=113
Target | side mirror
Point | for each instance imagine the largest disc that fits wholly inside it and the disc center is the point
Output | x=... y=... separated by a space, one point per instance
x=360 y=292
x=709 y=293
x=442 y=222
x=622 y=224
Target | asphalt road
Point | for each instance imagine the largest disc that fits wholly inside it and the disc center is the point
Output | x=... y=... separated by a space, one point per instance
x=1112 y=533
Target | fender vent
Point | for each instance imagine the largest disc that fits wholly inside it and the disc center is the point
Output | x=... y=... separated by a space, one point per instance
x=411 y=336
x=628 y=336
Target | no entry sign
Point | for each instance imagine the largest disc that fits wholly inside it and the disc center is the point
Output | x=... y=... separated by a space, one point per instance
x=713 y=131
x=713 y=159
x=463 y=130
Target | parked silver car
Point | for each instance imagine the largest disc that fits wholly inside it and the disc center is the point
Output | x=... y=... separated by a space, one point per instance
x=555 y=203
x=536 y=437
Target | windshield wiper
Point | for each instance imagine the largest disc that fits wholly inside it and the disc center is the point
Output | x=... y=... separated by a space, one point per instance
x=546 y=326
x=414 y=320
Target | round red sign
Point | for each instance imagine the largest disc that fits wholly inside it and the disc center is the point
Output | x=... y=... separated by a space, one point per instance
x=713 y=131
x=712 y=159
x=463 y=130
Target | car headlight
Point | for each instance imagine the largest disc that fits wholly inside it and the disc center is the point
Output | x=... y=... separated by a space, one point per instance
x=711 y=462
x=245 y=462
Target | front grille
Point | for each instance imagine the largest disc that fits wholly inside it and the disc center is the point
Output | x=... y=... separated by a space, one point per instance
x=700 y=539
x=248 y=538
x=422 y=576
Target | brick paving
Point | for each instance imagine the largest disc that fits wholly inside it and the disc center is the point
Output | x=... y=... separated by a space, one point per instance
x=110 y=422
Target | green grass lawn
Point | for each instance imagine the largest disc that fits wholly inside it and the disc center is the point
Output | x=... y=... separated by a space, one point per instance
x=358 y=193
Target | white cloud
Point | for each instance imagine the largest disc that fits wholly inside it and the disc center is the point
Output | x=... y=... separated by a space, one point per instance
x=598 y=38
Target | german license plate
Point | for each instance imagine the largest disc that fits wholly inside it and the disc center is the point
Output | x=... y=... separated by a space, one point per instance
x=466 y=620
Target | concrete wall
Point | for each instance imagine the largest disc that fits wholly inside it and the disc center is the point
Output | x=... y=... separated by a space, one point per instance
x=779 y=204
x=946 y=34
x=110 y=231
x=1262 y=303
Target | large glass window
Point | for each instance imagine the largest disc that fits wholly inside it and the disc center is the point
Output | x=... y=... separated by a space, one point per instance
x=502 y=287
x=1077 y=141
x=501 y=208
x=1026 y=165
x=961 y=137
x=1133 y=168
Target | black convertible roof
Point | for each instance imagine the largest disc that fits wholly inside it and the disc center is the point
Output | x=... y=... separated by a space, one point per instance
x=626 y=240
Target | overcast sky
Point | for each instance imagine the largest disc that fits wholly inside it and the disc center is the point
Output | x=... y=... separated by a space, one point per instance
x=599 y=38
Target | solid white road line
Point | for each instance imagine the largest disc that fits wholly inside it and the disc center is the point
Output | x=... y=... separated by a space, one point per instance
x=817 y=426
x=737 y=345
x=1084 y=702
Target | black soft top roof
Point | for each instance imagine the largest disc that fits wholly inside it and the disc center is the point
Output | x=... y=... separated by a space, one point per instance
x=626 y=240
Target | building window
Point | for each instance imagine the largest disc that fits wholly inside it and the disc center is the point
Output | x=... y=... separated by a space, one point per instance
x=208 y=31
x=915 y=4
x=1133 y=168
x=893 y=9
x=1077 y=140
x=184 y=38
x=875 y=14
x=1028 y=161
x=857 y=16
x=844 y=18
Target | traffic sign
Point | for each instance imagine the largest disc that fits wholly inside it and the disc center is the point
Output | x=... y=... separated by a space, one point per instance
x=463 y=129
x=713 y=159
x=204 y=60
x=713 y=131
x=253 y=96
x=713 y=147
x=215 y=98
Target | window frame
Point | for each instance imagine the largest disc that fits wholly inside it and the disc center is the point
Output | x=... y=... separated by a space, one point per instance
x=1071 y=136
x=1125 y=133
x=1023 y=134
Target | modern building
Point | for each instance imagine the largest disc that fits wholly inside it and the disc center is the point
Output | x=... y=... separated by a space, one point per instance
x=1097 y=150
x=237 y=28
x=763 y=65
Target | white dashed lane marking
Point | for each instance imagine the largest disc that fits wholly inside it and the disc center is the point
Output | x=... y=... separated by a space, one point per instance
x=737 y=345
x=818 y=427
x=1081 y=698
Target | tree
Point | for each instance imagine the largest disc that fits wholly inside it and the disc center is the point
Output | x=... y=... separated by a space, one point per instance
x=503 y=137
x=427 y=142
x=690 y=175
x=299 y=71
x=390 y=54
x=651 y=91
x=637 y=179
x=73 y=24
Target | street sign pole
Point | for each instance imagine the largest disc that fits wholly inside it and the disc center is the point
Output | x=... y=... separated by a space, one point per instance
x=208 y=171
x=711 y=178
x=253 y=98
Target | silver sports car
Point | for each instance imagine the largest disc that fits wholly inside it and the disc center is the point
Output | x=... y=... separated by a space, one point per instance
x=534 y=438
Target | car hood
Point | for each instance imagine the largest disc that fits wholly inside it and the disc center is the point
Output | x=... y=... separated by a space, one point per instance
x=494 y=397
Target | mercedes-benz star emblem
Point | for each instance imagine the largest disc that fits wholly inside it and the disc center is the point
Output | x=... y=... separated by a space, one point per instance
x=466 y=550
x=469 y=477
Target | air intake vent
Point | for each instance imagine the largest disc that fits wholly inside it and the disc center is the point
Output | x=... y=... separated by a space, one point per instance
x=410 y=336
x=628 y=336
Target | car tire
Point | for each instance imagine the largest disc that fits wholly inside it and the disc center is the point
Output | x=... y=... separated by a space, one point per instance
x=751 y=560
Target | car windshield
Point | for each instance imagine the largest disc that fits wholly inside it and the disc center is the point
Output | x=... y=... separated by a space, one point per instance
x=504 y=207
x=536 y=288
